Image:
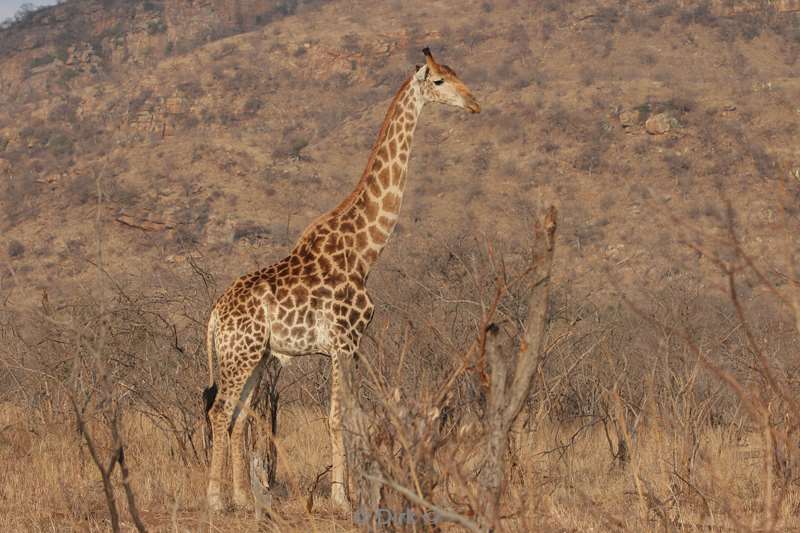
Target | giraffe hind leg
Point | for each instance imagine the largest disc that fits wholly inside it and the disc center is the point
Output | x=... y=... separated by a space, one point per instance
x=228 y=416
x=218 y=414
x=238 y=423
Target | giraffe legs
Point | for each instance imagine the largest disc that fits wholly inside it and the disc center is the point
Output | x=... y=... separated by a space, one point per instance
x=233 y=400
x=241 y=480
x=219 y=414
x=335 y=423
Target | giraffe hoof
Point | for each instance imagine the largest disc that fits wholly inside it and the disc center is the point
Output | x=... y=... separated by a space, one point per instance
x=339 y=501
x=215 y=504
x=242 y=503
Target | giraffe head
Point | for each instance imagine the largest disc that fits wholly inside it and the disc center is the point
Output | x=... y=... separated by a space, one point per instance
x=440 y=84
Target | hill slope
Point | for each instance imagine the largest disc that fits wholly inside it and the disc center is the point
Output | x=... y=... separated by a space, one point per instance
x=210 y=124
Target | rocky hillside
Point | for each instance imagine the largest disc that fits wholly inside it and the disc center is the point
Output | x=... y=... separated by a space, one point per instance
x=216 y=129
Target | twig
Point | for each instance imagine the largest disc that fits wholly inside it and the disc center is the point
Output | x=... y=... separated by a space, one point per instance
x=310 y=500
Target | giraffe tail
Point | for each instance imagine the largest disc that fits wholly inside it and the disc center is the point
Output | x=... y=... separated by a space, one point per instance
x=210 y=392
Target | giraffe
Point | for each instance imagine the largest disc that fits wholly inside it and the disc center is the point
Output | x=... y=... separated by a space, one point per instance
x=315 y=300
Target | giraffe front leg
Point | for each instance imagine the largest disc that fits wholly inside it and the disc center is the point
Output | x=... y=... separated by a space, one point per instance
x=339 y=462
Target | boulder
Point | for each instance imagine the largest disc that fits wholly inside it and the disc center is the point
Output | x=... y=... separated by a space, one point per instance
x=629 y=118
x=659 y=124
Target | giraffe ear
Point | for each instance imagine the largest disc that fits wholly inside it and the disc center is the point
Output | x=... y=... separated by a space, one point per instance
x=422 y=73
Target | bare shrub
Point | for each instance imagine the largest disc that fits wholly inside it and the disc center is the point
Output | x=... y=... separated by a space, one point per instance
x=19 y=199
x=606 y=18
x=350 y=43
x=253 y=105
x=678 y=165
x=250 y=231
x=699 y=13
x=15 y=248
x=60 y=144
x=192 y=89
x=765 y=164
x=139 y=102
x=82 y=188
x=292 y=146
x=64 y=112
x=483 y=157
x=587 y=76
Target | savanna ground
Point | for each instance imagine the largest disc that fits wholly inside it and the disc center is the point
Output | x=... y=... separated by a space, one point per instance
x=146 y=163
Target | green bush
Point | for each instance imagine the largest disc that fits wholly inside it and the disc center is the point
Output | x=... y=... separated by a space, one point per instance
x=156 y=26
x=69 y=74
x=42 y=60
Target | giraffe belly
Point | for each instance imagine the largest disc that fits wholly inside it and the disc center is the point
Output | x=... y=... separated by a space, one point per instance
x=298 y=340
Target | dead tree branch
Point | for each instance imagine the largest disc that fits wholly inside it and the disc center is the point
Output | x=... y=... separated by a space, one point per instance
x=506 y=398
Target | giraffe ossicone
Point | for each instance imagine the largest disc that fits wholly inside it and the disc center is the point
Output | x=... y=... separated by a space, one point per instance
x=315 y=301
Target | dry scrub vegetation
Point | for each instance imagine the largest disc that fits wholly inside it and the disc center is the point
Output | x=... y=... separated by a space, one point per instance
x=669 y=412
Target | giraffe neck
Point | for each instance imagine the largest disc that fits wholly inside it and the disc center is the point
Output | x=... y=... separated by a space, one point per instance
x=363 y=222
x=379 y=194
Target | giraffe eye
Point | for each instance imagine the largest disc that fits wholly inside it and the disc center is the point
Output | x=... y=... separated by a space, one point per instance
x=438 y=82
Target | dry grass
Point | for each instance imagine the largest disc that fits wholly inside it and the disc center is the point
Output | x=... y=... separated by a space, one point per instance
x=49 y=484
x=628 y=428
x=584 y=489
